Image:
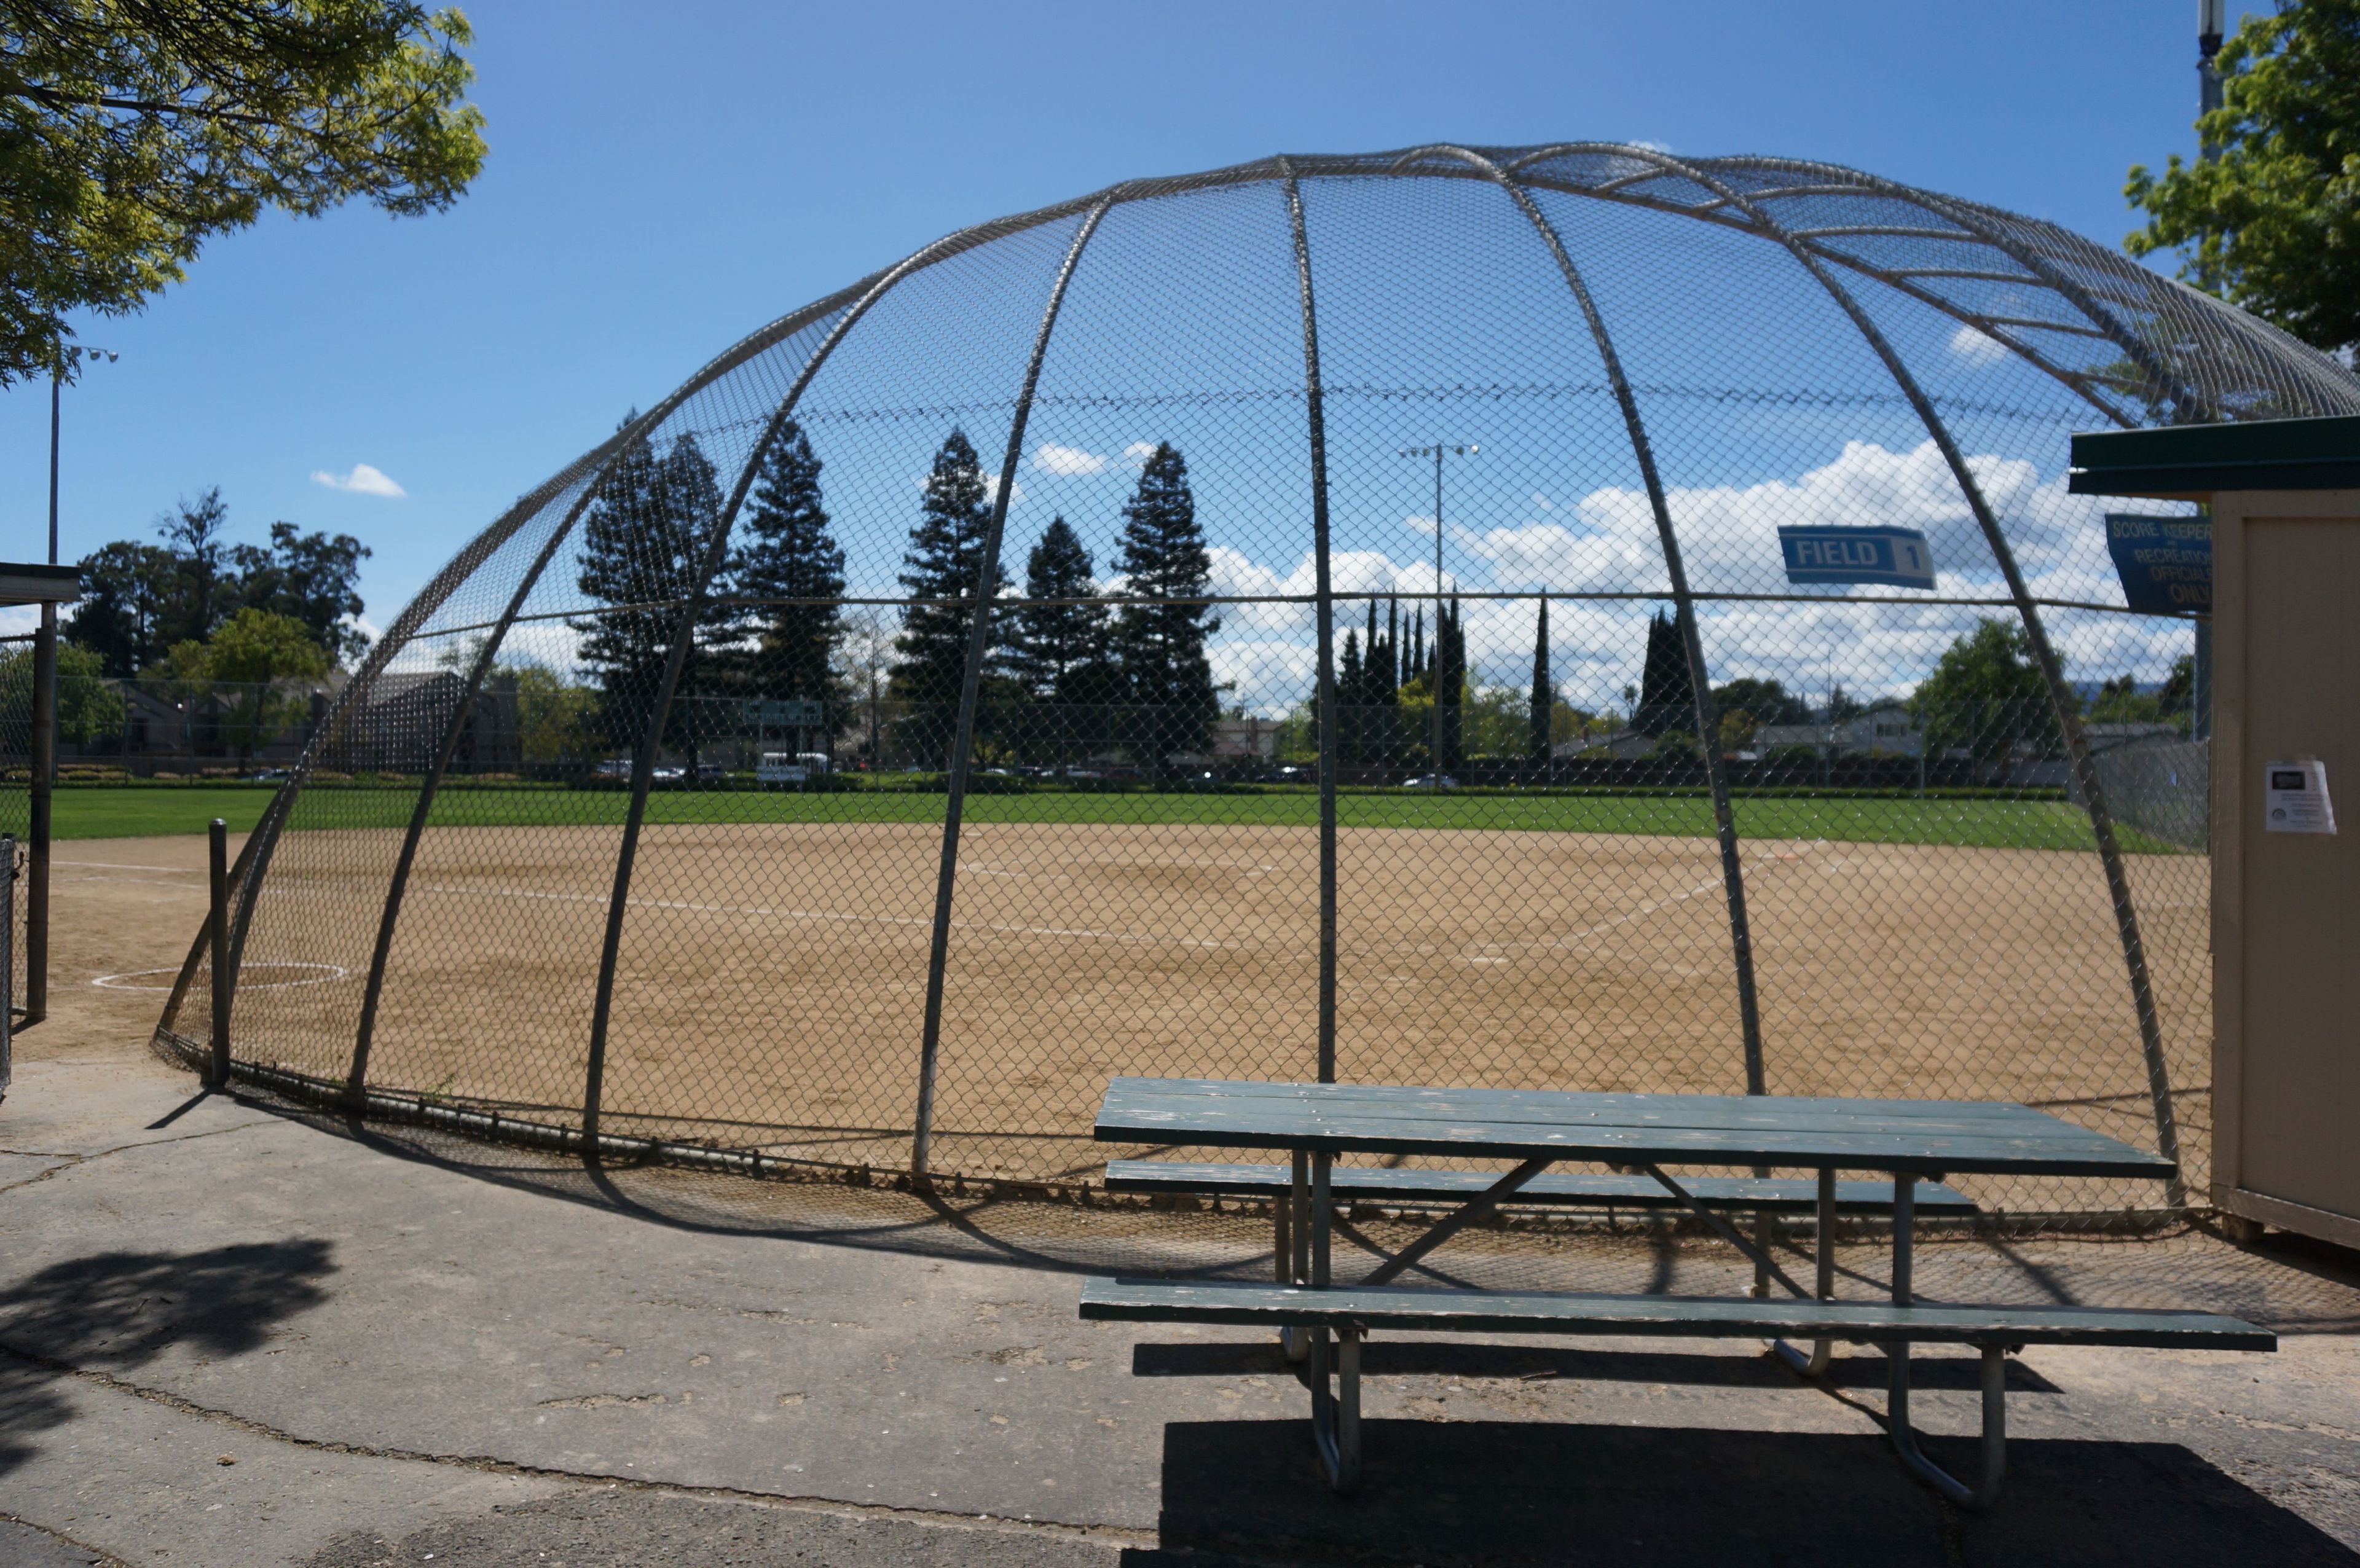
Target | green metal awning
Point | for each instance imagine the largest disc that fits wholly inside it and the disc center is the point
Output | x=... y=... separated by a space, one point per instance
x=2193 y=462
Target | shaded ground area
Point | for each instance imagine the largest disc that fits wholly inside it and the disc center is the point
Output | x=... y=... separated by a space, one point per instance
x=237 y=1338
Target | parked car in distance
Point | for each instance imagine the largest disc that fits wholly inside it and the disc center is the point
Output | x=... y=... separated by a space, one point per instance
x=1430 y=782
x=613 y=767
x=710 y=773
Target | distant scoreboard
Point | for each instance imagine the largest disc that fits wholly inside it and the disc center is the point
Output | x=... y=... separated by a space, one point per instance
x=1897 y=557
x=2166 y=563
x=784 y=714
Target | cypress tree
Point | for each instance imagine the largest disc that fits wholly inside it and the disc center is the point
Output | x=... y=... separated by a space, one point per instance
x=644 y=538
x=1158 y=639
x=791 y=557
x=1667 y=695
x=939 y=570
x=1451 y=678
x=1544 y=693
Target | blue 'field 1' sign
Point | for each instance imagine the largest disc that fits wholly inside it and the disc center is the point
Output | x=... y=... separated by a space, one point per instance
x=1895 y=557
x=2165 y=562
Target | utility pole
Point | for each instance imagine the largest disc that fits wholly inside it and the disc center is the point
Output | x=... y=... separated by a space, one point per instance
x=1436 y=452
x=2209 y=20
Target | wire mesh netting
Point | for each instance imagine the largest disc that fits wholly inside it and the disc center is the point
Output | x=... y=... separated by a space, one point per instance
x=1440 y=491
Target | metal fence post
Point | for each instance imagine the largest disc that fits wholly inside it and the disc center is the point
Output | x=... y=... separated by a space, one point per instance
x=1315 y=397
x=218 y=934
x=7 y=960
x=44 y=780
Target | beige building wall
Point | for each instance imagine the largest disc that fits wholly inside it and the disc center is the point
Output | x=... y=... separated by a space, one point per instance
x=2286 y=906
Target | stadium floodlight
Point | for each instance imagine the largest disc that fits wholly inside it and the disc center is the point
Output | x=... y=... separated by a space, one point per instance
x=1436 y=451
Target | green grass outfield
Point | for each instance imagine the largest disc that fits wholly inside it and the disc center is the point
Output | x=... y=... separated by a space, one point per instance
x=134 y=810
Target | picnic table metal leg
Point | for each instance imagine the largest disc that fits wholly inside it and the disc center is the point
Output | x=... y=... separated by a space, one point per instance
x=1336 y=1415
x=1897 y=1394
x=1822 y=1350
x=1295 y=1259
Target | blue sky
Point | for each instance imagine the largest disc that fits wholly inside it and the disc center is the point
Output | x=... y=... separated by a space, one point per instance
x=662 y=181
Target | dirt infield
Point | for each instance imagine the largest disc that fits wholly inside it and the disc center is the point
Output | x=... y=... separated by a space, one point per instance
x=771 y=982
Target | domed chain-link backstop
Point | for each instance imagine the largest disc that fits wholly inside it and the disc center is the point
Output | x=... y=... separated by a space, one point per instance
x=1394 y=670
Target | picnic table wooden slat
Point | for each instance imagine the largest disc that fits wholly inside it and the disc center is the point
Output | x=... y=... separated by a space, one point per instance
x=1690 y=1129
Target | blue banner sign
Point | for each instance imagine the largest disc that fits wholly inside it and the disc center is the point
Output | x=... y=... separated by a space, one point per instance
x=2165 y=562
x=1895 y=557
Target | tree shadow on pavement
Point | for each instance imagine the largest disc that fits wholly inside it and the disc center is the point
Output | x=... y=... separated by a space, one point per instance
x=1485 y=1492
x=114 y=1311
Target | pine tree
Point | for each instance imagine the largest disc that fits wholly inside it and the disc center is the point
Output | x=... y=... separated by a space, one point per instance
x=1059 y=656
x=1159 y=637
x=644 y=538
x=790 y=559
x=939 y=570
x=1544 y=692
x=1667 y=695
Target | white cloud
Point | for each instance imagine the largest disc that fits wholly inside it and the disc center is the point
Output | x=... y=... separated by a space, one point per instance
x=363 y=480
x=1977 y=348
x=1051 y=458
x=1139 y=451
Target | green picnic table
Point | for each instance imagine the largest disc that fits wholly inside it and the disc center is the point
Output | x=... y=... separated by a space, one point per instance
x=1917 y=1143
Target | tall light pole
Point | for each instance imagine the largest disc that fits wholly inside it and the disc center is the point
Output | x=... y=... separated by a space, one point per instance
x=2209 y=20
x=1438 y=451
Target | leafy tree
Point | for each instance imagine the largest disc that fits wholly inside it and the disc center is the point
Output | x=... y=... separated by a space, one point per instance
x=556 y=720
x=2120 y=701
x=310 y=577
x=941 y=570
x=1844 y=705
x=2272 y=219
x=1667 y=693
x=1544 y=692
x=1761 y=702
x=246 y=668
x=88 y=707
x=1986 y=697
x=1158 y=637
x=2175 y=698
x=132 y=131
x=120 y=616
x=202 y=596
x=142 y=600
x=791 y=560
x=644 y=538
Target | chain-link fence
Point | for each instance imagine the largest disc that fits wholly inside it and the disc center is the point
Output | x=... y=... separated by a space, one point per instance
x=1391 y=673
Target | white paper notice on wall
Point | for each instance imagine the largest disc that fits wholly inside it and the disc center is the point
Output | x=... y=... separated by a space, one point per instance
x=2294 y=797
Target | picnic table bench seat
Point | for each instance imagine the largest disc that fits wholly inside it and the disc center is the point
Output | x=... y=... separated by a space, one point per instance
x=1350 y=1312
x=1426 y=1309
x=1567 y=1189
